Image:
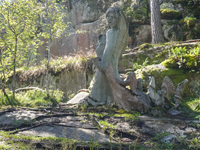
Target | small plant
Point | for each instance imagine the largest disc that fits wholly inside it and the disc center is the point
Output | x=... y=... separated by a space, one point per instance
x=182 y=57
x=195 y=143
x=137 y=66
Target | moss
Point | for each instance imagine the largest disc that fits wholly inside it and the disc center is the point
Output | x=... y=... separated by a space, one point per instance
x=176 y=75
x=145 y=46
x=137 y=10
x=132 y=116
x=160 y=57
x=170 y=63
x=189 y=21
x=186 y=62
x=170 y=14
x=106 y=124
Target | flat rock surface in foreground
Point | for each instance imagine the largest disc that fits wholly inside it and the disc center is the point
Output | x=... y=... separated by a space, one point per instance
x=68 y=132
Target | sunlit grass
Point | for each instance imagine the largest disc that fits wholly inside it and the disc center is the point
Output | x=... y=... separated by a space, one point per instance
x=31 y=98
x=128 y=115
x=194 y=103
x=11 y=141
x=106 y=124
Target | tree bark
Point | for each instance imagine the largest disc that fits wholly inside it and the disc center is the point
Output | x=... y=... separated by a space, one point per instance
x=156 y=27
x=127 y=99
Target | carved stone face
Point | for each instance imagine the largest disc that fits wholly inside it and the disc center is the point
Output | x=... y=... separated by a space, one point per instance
x=112 y=19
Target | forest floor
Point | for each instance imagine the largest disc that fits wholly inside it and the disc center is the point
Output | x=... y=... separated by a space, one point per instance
x=88 y=128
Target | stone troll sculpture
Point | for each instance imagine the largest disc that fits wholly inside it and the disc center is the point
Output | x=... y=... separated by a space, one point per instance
x=162 y=97
x=108 y=87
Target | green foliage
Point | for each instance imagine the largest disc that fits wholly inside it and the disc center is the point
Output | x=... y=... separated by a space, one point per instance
x=131 y=116
x=32 y=98
x=159 y=136
x=138 y=66
x=181 y=57
x=170 y=14
x=189 y=6
x=194 y=143
x=18 y=35
x=137 y=10
x=106 y=124
x=23 y=142
x=145 y=46
x=194 y=104
x=190 y=21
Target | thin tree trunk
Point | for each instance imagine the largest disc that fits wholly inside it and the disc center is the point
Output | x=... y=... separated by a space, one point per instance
x=48 y=60
x=156 y=27
x=14 y=68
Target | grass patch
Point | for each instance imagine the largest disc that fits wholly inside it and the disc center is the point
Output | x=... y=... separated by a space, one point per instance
x=106 y=124
x=30 y=142
x=194 y=104
x=56 y=66
x=32 y=98
x=127 y=115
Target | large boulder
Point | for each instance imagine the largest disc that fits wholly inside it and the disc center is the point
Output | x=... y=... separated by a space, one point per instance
x=85 y=19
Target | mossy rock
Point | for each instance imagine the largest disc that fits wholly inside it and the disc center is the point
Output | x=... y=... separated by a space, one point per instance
x=170 y=14
x=170 y=63
x=176 y=75
x=187 y=62
x=190 y=21
x=145 y=46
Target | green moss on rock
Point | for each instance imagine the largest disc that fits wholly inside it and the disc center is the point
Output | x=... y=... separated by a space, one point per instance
x=159 y=72
x=190 y=21
x=170 y=14
x=185 y=62
x=170 y=63
x=145 y=46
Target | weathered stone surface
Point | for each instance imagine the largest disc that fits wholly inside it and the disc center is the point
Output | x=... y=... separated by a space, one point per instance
x=67 y=81
x=125 y=126
x=84 y=17
x=160 y=125
x=18 y=117
x=116 y=41
x=170 y=139
x=141 y=35
x=67 y=132
x=78 y=98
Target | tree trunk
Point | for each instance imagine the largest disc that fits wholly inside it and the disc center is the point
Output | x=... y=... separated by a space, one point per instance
x=127 y=99
x=47 y=66
x=14 y=68
x=156 y=28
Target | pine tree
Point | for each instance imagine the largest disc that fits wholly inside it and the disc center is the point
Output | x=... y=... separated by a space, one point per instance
x=156 y=27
